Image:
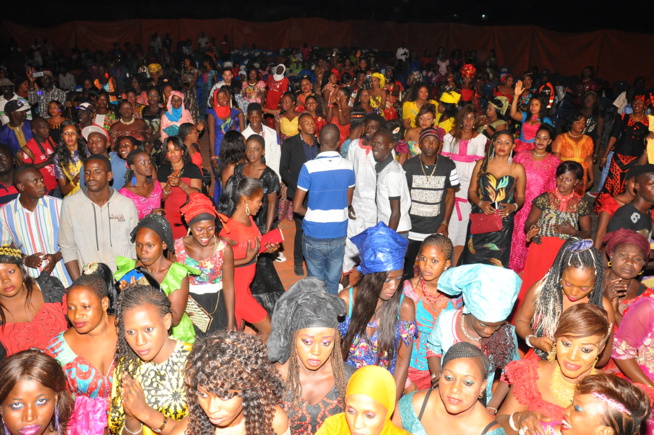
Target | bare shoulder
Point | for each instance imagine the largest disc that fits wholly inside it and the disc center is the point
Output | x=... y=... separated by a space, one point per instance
x=280 y=421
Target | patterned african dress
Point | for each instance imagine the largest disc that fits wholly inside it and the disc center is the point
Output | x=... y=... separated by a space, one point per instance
x=163 y=386
x=495 y=247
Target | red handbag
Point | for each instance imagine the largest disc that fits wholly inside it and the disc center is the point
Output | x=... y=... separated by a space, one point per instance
x=481 y=223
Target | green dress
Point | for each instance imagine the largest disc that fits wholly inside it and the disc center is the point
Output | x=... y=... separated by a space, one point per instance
x=172 y=281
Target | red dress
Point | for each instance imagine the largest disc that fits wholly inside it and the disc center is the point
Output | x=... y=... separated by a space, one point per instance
x=245 y=306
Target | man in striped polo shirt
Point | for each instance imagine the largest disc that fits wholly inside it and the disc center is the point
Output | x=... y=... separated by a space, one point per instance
x=329 y=180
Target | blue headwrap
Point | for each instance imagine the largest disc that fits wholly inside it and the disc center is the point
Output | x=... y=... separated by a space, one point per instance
x=489 y=292
x=381 y=249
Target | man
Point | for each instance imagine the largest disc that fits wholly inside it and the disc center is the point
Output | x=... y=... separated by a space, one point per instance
x=43 y=96
x=402 y=53
x=636 y=215
x=18 y=131
x=96 y=221
x=393 y=198
x=39 y=151
x=203 y=40
x=85 y=113
x=7 y=94
x=432 y=180
x=97 y=139
x=297 y=150
x=8 y=191
x=31 y=223
x=276 y=84
x=227 y=76
x=255 y=126
x=329 y=181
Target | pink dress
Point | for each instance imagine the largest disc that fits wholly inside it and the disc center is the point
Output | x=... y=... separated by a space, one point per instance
x=145 y=205
x=541 y=178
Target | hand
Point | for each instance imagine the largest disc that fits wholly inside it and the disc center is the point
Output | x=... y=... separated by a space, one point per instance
x=650 y=136
x=533 y=232
x=122 y=284
x=50 y=261
x=200 y=126
x=617 y=289
x=443 y=229
x=214 y=163
x=602 y=162
x=30 y=77
x=528 y=422
x=565 y=229
x=173 y=179
x=507 y=209
x=486 y=207
x=271 y=247
x=518 y=88
x=252 y=252
x=34 y=261
x=133 y=398
x=76 y=179
x=543 y=343
x=351 y=214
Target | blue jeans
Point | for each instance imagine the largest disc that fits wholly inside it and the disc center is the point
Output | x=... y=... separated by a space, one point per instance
x=324 y=258
x=605 y=172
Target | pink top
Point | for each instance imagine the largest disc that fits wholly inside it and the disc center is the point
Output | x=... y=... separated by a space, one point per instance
x=635 y=336
x=145 y=205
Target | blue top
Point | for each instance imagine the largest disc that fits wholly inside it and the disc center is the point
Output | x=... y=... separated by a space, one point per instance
x=8 y=136
x=118 y=168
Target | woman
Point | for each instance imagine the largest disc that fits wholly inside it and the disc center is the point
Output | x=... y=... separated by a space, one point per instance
x=497 y=187
x=314 y=107
x=632 y=343
x=306 y=91
x=127 y=125
x=222 y=118
x=505 y=88
x=152 y=114
x=31 y=311
x=449 y=109
x=464 y=146
x=434 y=257
x=254 y=89
x=418 y=97
x=207 y=77
x=380 y=324
x=142 y=188
x=425 y=119
x=541 y=390
x=627 y=141
x=138 y=85
x=339 y=112
x=148 y=393
x=493 y=121
x=189 y=133
x=457 y=407
x=578 y=274
x=232 y=388
x=104 y=116
x=266 y=286
x=56 y=112
x=232 y=153
x=394 y=90
x=86 y=353
x=306 y=348
x=488 y=294
x=153 y=237
x=369 y=404
x=189 y=76
x=540 y=168
x=286 y=122
x=213 y=288
x=531 y=120
x=179 y=178
x=594 y=115
x=378 y=95
x=240 y=201
x=33 y=395
x=575 y=146
x=556 y=216
x=69 y=158
x=628 y=254
x=175 y=115
x=330 y=88
x=611 y=204
x=124 y=146
x=106 y=83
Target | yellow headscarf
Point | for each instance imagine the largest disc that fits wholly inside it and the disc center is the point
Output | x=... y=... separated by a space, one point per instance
x=153 y=68
x=374 y=382
x=382 y=79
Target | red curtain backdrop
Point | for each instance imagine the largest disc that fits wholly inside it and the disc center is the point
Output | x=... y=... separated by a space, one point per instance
x=615 y=55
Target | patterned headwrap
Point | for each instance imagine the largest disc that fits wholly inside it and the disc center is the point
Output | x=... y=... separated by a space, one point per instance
x=382 y=79
x=153 y=68
x=468 y=70
x=450 y=97
x=501 y=104
x=381 y=249
x=14 y=253
x=159 y=225
x=198 y=208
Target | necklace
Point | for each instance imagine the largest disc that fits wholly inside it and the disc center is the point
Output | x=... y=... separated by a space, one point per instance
x=422 y=166
x=430 y=298
x=535 y=154
x=463 y=328
x=573 y=136
x=561 y=390
x=127 y=122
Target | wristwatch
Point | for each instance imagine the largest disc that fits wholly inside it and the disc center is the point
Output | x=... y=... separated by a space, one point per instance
x=163 y=425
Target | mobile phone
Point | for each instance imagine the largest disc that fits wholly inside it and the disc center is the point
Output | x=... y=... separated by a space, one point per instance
x=37 y=74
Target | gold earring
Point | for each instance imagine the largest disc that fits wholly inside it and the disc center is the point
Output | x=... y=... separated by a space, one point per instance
x=551 y=356
x=247 y=209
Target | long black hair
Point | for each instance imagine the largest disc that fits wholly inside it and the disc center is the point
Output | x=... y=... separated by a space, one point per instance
x=235 y=189
x=63 y=154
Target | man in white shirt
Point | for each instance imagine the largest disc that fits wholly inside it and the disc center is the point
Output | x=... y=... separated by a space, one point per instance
x=7 y=94
x=273 y=151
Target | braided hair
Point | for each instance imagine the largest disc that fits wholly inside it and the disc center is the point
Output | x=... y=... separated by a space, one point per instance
x=232 y=360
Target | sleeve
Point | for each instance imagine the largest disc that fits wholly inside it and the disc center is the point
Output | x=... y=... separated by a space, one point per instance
x=453 y=180
x=272 y=181
x=556 y=145
x=406 y=110
x=541 y=201
x=33 y=96
x=396 y=180
x=588 y=147
x=584 y=208
x=6 y=237
x=59 y=174
x=192 y=171
x=284 y=163
x=635 y=328
x=617 y=127
x=67 y=244
x=304 y=180
x=352 y=178
x=163 y=173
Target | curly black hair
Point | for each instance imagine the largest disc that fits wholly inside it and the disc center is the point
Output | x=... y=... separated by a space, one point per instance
x=63 y=154
x=232 y=360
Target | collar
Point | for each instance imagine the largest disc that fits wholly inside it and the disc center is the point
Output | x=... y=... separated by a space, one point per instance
x=39 y=203
x=315 y=141
x=328 y=155
x=380 y=166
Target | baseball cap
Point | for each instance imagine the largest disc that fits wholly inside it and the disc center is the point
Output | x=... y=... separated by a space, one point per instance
x=16 y=106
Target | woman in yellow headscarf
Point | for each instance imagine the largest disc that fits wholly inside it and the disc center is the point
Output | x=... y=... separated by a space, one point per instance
x=378 y=93
x=369 y=405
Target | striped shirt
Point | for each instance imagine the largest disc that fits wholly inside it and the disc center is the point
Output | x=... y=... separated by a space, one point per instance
x=33 y=232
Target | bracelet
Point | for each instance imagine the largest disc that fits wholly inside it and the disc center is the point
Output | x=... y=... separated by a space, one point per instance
x=139 y=430
x=185 y=187
x=445 y=223
x=512 y=424
x=494 y=409
x=434 y=376
x=163 y=425
x=214 y=157
x=528 y=340
x=516 y=206
x=167 y=193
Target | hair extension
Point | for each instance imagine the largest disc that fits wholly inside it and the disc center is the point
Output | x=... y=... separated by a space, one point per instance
x=27 y=280
x=489 y=150
x=458 y=128
x=235 y=189
x=63 y=154
x=232 y=151
x=180 y=145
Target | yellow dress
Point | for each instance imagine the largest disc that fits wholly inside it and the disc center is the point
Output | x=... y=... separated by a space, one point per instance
x=410 y=111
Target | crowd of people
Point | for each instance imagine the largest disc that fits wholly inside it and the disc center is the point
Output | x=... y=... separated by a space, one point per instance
x=443 y=211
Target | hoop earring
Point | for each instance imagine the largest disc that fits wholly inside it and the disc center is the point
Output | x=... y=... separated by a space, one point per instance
x=511 y=157
x=247 y=209
x=551 y=356
x=609 y=264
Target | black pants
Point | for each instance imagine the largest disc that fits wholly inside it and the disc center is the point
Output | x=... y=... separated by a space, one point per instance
x=297 y=245
x=409 y=261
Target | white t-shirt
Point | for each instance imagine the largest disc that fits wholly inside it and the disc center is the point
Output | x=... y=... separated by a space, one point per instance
x=391 y=183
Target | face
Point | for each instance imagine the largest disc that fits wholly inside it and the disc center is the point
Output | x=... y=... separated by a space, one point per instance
x=391 y=284
x=491 y=111
x=221 y=412
x=578 y=126
x=423 y=93
x=101 y=101
x=124 y=147
x=86 y=310
x=131 y=97
x=286 y=103
x=370 y=128
x=381 y=147
x=149 y=246
x=253 y=151
x=126 y=110
x=153 y=98
x=577 y=282
x=460 y=385
x=176 y=102
x=254 y=202
x=542 y=141
x=96 y=175
x=70 y=136
x=527 y=81
x=46 y=80
x=11 y=280
x=509 y=82
x=365 y=96
x=255 y=117
x=307 y=125
x=364 y=415
x=314 y=346
x=85 y=117
x=627 y=261
x=503 y=145
x=29 y=407
x=638 y=105
x=192 y=136
x=333 y=79
x=432 y=262
x=469 y=121
x=97 y=143
x=566 y=182
x=484 y=329
x=311 y=105
x=375 y=82
x=644 y=185
x=590 y=100
x=203 y=232
x=53 y=109
x=142 y=165
x=426 y=120
x=430 y=146
x=135 y=83
x=40 y=128
x=534 y=106
x=222 y=99
x=585 y=416
x=252 y=75
x=577 y=355
x=146 y=331
x=173 y=153
x=31 y=184
x=228 y=75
